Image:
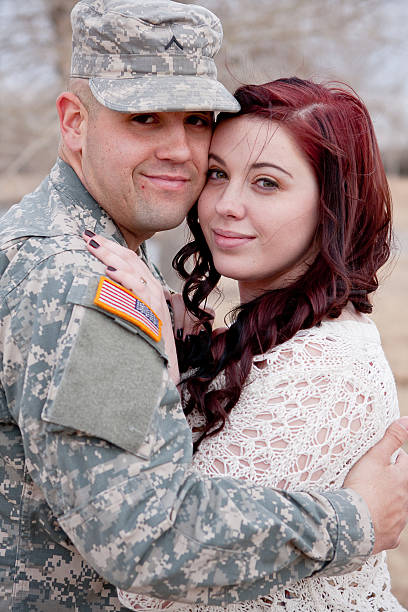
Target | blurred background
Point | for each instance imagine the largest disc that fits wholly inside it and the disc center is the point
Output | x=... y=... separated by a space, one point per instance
x=361 y=42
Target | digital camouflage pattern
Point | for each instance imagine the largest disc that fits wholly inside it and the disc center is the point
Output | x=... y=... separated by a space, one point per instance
x=142 y=56
x=83 y=505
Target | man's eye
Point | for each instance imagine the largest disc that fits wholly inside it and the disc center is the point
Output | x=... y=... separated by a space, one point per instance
x=267 y=183
x=199 y=120
x=143 y=118
x=216 y=175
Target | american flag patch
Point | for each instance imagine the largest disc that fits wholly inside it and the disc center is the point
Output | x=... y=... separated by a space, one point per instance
x=120 y=301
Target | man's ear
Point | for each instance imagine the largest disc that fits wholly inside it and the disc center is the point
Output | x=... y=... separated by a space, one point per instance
x=73 y=118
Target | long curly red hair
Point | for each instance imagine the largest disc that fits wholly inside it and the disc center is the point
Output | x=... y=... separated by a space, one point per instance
x=333 y=129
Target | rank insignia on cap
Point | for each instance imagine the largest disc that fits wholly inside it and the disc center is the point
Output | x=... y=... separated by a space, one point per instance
x=174 y=41
x=114 y=298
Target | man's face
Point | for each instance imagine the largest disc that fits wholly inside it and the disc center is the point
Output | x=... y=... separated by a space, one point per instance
x=145 y=169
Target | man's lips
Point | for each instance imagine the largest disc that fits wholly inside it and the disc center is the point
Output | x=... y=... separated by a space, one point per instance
x=228 y=240
x=167 y=181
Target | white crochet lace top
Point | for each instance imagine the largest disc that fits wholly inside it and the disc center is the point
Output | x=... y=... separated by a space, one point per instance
x=312 y=407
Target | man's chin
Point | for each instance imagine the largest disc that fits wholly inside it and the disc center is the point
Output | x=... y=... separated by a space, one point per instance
x=169 y=223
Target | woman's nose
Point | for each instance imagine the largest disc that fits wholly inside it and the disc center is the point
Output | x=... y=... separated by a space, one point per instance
x=231 y=203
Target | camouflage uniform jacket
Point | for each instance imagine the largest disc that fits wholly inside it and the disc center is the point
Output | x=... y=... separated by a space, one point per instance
x=97 y=486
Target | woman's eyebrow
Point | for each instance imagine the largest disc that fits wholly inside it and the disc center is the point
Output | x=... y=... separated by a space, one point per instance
x=257 y=165
x=267 y=165
x=219 y=160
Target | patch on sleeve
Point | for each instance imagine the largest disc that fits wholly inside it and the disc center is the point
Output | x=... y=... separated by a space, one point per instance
x=114 y=298
x=112 y=383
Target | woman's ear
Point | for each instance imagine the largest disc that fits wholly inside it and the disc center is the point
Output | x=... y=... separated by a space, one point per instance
x=73 y=118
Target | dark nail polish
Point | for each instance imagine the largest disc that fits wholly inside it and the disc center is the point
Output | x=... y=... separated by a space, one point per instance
x=94 y=244
x=179 y=333
x=89 y=233
x=111 y=269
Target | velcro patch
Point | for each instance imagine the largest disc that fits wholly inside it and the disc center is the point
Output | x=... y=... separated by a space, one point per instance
x=123 y=303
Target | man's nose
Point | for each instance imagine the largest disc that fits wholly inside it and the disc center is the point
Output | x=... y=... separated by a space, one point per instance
x=174 y=145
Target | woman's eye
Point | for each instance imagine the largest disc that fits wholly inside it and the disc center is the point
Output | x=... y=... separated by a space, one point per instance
x=144 y=118
x=216 y=175
x=267 y=183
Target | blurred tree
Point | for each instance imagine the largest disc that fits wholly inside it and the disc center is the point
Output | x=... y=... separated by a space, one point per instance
x=34 y=64
x=58 y=12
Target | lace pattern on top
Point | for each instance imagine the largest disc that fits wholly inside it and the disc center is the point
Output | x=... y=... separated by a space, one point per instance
x=311 y=407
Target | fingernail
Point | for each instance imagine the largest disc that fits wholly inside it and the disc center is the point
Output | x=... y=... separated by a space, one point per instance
x=179 y=333
x=94 y=244
x=111 y=268
x=89 y=233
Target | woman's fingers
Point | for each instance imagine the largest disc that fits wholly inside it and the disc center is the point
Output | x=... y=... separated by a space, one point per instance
x=126 y=267
x=111 y=253
x=120 y=259
x=108 y=252
x=97 y=241
x=138 y=285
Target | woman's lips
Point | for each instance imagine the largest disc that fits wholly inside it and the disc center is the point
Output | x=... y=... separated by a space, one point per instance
x=228 y=240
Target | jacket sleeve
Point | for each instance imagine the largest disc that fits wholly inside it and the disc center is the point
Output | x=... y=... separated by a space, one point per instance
x=106 y=440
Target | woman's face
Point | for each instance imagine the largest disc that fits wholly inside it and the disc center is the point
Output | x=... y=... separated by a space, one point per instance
x=259 y=208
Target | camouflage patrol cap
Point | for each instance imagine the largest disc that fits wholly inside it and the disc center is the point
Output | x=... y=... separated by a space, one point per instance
x=149 y=55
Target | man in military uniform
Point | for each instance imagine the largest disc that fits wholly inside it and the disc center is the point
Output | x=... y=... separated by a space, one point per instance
x=97 y=487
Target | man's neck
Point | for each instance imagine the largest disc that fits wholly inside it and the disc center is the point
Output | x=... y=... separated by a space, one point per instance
x=72 y=160
x=133 y=242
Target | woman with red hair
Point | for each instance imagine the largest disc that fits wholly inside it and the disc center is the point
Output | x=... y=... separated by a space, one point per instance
x=297 y=209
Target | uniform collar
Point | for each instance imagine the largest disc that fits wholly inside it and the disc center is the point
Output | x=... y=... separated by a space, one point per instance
x=79 y=207
x=84 y=207
x=60 y=206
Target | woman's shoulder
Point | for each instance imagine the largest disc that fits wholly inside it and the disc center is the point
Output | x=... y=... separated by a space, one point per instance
x=352 y=336
x=357 y=329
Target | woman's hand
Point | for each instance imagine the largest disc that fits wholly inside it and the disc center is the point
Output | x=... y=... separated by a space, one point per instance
x=125 y=267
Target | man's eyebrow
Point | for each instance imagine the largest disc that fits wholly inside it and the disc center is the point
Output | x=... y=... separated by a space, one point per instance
x=255 y=166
